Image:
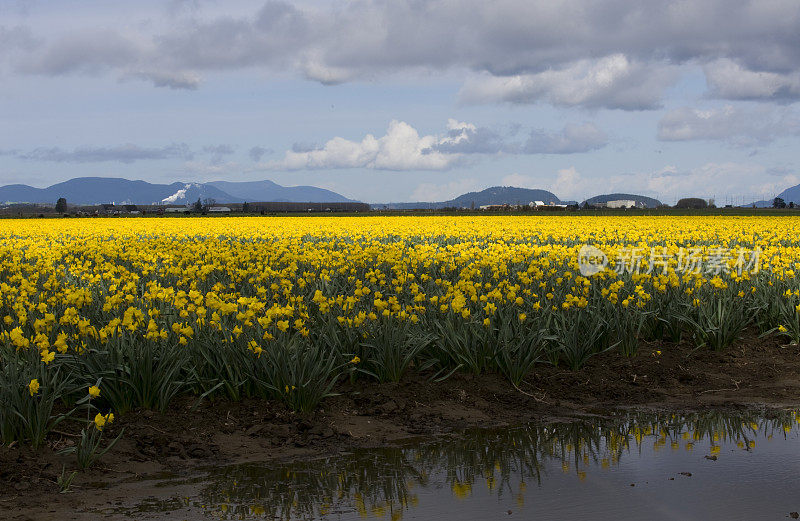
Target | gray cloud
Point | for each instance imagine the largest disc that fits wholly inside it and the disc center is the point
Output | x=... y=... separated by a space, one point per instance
x=17 y=37
x=127 y=153
x=171 y=80
x=571 y=139
x=273 y=36
x=218 y=152
x=176 y=7
x=613 y=54
x=84 y=52
x=305 y=147
x=256 y=153
x=736 y=126
x=130 y=153
x=729 y=80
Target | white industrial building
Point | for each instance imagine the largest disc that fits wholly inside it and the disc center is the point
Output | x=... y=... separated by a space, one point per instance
x=621 y=203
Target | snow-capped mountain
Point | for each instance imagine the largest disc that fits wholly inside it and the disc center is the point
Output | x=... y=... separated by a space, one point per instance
x=100 y=190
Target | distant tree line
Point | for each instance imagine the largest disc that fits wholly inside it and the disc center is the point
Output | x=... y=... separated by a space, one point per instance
x=204 y=205
x=691 y=203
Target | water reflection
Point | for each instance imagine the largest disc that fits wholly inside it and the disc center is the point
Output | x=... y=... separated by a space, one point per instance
x=502 y=465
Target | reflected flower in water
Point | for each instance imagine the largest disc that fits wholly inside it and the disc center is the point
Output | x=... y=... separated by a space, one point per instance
x=377 y=483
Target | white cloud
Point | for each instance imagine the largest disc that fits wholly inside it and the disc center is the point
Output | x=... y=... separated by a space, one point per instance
x=613 y=81
x=738 y=182
x=402 y=148
x=749 y=181
x=204 y=170
x=520 y=181
x=729 y=80
x=430 y=192
x=745 y=181
x=738 y=126
x=315 y=69
x=567 y=184
x=572 y=139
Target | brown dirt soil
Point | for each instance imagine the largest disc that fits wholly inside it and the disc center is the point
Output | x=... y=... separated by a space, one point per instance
x=754 y=371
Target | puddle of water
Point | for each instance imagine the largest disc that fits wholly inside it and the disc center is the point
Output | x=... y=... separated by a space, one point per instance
x=711 y=465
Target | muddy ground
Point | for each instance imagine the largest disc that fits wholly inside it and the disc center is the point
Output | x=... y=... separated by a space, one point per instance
x=754 y=371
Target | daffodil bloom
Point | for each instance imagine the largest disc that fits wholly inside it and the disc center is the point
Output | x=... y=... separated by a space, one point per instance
x=33 y=386
x=94 y=391
x=230 y=282
x=100 y=420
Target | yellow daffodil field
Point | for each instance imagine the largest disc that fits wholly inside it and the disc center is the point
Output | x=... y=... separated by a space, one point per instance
x=114 y=314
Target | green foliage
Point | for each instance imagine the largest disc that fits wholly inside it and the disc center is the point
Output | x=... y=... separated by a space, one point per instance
x=135 y=372
x=578 y=335
x=226 y=368
x=716 y=321
x=300 y=373
x=520 y=345
x=787 y=316
x=463 y=344
x=64 y=480
x=26 y=414
x=89 y=450
x=391 y=348
x=627 y=325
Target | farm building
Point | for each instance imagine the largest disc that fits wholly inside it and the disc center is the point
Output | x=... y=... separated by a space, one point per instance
x=622 y=203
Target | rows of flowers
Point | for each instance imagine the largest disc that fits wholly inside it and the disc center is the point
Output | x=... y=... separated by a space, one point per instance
x=146 y=310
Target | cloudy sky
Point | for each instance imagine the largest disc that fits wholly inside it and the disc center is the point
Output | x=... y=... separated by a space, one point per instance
x=389 y=100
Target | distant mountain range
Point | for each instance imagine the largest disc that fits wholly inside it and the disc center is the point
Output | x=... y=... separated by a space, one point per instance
x=101 y=190
x=268 y=191
x=491 y=196
x=647 y=202
x=790 y=195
